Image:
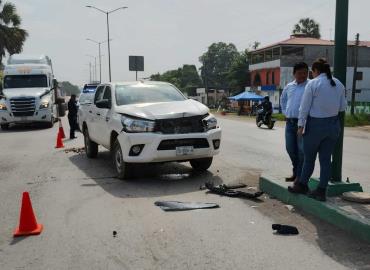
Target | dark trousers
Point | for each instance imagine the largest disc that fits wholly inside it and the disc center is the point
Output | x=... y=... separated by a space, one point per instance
x=72 y=125
x=294 y=146
x=321 y=135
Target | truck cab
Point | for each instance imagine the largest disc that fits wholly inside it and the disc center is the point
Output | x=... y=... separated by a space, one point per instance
x=26 y=95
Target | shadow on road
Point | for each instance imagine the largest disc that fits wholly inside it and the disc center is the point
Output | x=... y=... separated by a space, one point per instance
x=24 y=128
x=151 y=180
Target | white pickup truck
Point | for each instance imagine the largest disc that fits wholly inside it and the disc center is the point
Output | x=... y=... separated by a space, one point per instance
x=145 y=122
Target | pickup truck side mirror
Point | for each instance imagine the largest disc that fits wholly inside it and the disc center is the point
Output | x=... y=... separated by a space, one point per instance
x=103 y=104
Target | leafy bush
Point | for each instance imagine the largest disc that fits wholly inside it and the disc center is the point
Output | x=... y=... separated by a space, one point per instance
x=357 y=120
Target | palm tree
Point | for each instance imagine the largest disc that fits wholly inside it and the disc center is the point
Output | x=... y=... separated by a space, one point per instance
x=12 y=37
x=307 y=27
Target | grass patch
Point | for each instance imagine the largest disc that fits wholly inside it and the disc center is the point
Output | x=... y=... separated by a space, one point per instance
x=279 y=116
x=356 y=120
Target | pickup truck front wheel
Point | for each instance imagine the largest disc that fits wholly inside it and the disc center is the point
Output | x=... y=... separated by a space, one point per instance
x=201 y=164
x=91 y=147
x=122 y=168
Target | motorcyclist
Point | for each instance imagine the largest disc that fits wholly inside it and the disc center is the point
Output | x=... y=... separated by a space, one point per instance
x=267 y=108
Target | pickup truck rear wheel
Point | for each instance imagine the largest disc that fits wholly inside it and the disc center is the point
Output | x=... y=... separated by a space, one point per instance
x=201 y=164
x=122 y=168
x=91 y=147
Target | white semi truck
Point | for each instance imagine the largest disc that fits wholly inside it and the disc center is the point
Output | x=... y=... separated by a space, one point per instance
x=26 y=96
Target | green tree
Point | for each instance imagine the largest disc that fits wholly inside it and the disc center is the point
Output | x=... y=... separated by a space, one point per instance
x=216 y=64
x=238 y=76
x=185 y=78
x=307 y=27
x=12 y=37
x=69 y=89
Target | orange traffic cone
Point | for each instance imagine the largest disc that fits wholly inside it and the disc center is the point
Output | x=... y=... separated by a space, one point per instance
x=27 y=223
x=61 y=130
x=59 y=141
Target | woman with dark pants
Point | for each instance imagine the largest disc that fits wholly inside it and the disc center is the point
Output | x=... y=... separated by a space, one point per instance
x=318 y=122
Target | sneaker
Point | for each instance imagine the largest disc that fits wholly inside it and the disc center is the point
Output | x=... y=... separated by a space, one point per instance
x=318 y=194
x=298 y=188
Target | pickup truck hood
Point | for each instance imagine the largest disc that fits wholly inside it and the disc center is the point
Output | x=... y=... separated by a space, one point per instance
x=164 y=110
x=24 y=92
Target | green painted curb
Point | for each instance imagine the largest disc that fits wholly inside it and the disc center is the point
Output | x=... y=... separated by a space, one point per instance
x=337 y=188
x=325 y=211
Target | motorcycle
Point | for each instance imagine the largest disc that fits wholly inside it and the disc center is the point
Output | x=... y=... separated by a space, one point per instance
x=261 y=119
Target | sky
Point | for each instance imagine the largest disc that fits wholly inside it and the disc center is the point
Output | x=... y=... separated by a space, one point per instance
x=168 y=33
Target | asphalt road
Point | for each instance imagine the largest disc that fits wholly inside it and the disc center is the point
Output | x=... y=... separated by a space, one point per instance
x=80 y=203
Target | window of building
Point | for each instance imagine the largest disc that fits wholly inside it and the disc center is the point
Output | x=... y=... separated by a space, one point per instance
x=267 y=78
x=359 y=75
x=268 y=55
x=276 y=53
x=273 y=77
x=292 y=51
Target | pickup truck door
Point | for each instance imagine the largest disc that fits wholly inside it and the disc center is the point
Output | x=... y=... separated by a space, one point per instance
x=103 y=119
x=92 y=115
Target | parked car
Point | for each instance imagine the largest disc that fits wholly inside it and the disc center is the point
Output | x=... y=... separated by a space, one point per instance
x=145 y=122
x=86 y=98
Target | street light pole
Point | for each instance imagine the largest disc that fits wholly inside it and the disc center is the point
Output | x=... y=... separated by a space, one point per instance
x=94 y=68
x=107 y=14
x=340 y=71
x=100 y=55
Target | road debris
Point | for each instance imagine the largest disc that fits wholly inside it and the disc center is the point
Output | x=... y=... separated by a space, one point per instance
x=226 y=186
x=114 y=233
x=285 y=229
x=289 y=207
x=77 y=150
x=226 y=191
x=183 y=206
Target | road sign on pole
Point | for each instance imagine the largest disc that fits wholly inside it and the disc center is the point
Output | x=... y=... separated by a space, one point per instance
x=136 y=63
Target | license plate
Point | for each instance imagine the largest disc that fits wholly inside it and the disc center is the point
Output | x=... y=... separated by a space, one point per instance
x=23 y=118
x=184 y=150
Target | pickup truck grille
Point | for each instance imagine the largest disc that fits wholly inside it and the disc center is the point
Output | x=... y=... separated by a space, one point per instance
x=183 y=125
x=23 y=106
x=172 y=144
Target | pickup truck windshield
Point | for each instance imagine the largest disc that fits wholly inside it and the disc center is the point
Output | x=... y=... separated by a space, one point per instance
x=146 y=93
x=25 y=81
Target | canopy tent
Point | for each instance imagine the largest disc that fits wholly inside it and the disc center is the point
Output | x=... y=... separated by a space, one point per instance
x=247 y=96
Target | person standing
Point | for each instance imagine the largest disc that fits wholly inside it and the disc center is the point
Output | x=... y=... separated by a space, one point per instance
x=318 y=122
x=290 y=101
x=72 y=116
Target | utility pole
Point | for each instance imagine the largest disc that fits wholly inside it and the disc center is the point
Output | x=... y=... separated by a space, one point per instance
x=340 y=71
x=355 y=52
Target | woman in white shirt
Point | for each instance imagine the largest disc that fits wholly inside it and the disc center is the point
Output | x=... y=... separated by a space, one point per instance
x=318 y=122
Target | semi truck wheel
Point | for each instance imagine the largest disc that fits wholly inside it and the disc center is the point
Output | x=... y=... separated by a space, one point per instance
x=4 y=126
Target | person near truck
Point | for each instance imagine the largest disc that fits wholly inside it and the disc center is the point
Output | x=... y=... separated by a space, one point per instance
x=72 y=116
x=290 y=101
x=318 y=122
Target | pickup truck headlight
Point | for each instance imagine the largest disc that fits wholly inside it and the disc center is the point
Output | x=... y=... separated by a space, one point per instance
x=210 y=122
x=132 y=125
x=44 y=105
x=2 y=107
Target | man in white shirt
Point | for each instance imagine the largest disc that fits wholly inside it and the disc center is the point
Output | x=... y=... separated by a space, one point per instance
x=290 y=101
